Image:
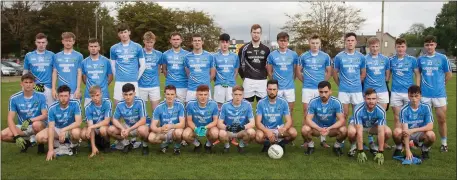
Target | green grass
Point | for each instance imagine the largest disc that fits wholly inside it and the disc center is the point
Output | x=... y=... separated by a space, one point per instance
x=323 y=164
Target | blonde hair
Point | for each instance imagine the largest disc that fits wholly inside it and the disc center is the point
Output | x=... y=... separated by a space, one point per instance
x=94 y=89
x=149 y=36
x=67 y=35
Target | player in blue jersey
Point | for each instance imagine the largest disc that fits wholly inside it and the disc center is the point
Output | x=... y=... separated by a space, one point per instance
x=97 y=116
x=173 y=66
x=349 y=72
x=133 y=111
x=417 y=124
x=378 y=72
x=435 y=73
x=64 y=119
x=271 y=111
x=127 y=61
x=39 y=63
x=201 y=116
x=281 y=65
x=370 y=117
x=200 y=67
x=67 y=67
x=404 y=69
x=313 y=67
x=325 y=117
x=96 y=70
x=31 y=109
x=227 y=64
x=236 y=121
x=149 y=83
x=168 y=122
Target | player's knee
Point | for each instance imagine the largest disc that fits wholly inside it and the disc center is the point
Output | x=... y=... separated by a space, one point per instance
x=103 y=131
x=387 y=132
x=152 y=137
x=343 y=130
x=214 y=133
x=111 y=130
x=251 y=133
x=37 y=126
x=292 y=132
x=75 y=133
x=351 y=131
x=430 y=135
x=144 y=131
x=177 y=134
x=397 y=132
x=223 y=135
x=305 y=130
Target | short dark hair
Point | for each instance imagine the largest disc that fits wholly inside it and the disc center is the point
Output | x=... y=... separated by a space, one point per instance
x=315 y=36
x=256 y=26
x=370 y=91
x=128 y=87
x=41 y=36
x=169 y=87
x=400 y=41
x=203 y=87
x=28 y=76
x=349 y=35
x=197 y=35
x=224 y=37
x=272 y=81
x=282 y=35
x=175 y=34
x=414 y=89
x=324 y=84
x=122 y=27
x=93 y=40
x=63 y=88
x=430 y=39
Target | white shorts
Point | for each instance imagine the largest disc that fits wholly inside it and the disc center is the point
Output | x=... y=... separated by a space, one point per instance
x=152 y=93
x=181 y=94
x=383 y=97
x=288 y=95
x=350 y=98
x=435 y=102
x=416 y=136
x=398 y=99
x=254 y=87
x=308 y=94
x=192 y=95
x=48 y=94
x=276 y=133
x=27 y=132
x=133 y=132
x=118 y=89
x=222 y=94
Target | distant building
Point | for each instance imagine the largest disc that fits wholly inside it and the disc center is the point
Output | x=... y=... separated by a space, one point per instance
x=388 y=46
x=419 y=51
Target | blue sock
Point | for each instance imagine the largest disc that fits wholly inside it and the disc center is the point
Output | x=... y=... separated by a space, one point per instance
x=444 y=141
x=177 y=145
x=370 y=138
x=266 y=143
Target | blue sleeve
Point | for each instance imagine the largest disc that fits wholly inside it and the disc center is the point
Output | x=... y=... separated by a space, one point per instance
x=311 y=107
x=140 y=52
x=117 y=113
x=160 y=57
x=327 y=61
x=77 y=108
x=300 y=60
x=12 y=105
x=285 y=108
x=382 y=117
x=156 y=114
x=189 y=110
x=387 y=64
x=181 y=111
x=445 y=64
x=108 y=108
x=43 y=103
x=88 y=113
x=403 y=115
x=428 y=115
x=295 y=58
x=186 y=64
x=356 y=115
x=337 y=62
x=259 y=109
x=163 y=58
x=213 y=61
x=362 y=62
x=142 y=109
x=54 y=62
x=26 y=62
x=270 y=59
x=108 y=67
x=237 y=61
x=250 y=113
x=418 y=63
x=222 y=114
x=112 y=54
x=51 y=117
x=80 y=60
x=339 y=107
x=83 y=67
x=215 y=109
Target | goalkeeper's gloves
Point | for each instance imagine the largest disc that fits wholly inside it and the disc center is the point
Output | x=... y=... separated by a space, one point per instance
x=379 y=158
x=25 y=124
x=361 y=157
x=238 y=127
x=20 y=142
x=39 y=87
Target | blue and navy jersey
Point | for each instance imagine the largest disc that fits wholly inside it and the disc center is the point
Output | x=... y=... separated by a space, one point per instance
x=325 y=114
x=63 y=117
x=132 y=114
x=225 y=68
x=369 y=119
x=176 y=74
x=150 y=77
x=376 y=73
x=127 y=58
x=27 y=108
x=349 y=66
x=272 y=114
x=40 y=65
x=168 y=115
x=402 y=72
x=199 y=66
x=67 y=66
x=416 y=118
x=202 y=116
x=241 y=114
x=314 y=66
x=97 y=114
x=283 y=67
x=433 y=69
x=96 y=73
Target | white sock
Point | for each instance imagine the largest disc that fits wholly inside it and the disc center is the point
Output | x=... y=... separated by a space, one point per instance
x=323 y=138
x=232 y=135
x=337 y=144
x=227 y=145
x=444 y=141
x=311 y=144
x=145 y=144
x=208 y=143
x=353 y=147
x=196 y=142
x=425 y=148
x=399 y=146
x=241 y=144
x=125 y=142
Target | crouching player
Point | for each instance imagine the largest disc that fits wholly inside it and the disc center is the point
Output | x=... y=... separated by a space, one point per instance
x=269 y=119
x=416 y=124
x=64 y=118
x=201 y=116
x=31 y=110
x=325 y=117
x=132 y=109
x=98 y=116
x=168 y=122
x=369 y=117
x=236 y=121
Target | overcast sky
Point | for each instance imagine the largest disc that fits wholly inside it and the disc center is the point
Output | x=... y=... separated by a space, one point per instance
x=236 y=18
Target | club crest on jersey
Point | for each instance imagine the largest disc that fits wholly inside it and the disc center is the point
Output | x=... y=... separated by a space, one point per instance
x=262 y=52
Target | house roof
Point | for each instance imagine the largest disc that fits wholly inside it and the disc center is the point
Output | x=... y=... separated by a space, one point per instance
x=417 y=51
